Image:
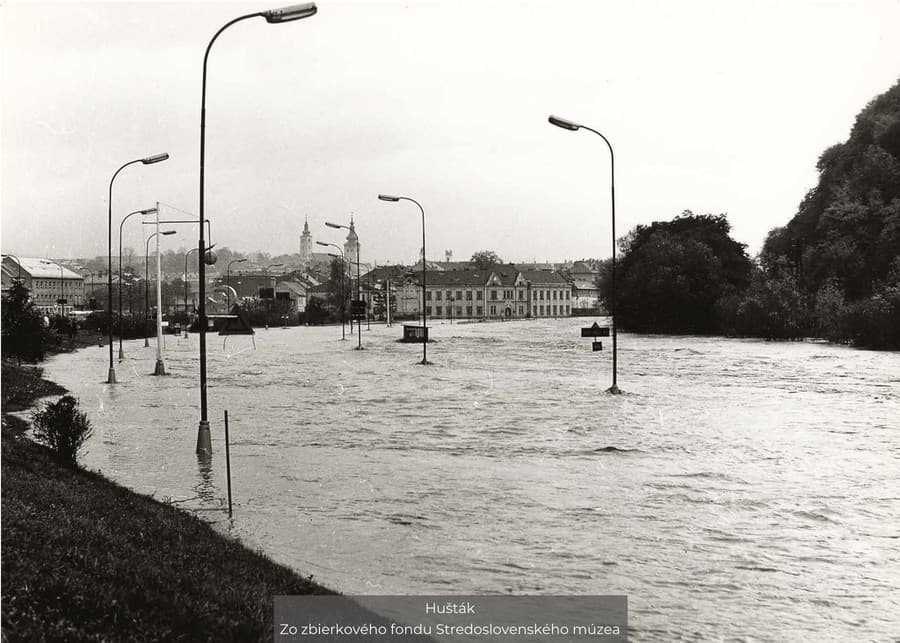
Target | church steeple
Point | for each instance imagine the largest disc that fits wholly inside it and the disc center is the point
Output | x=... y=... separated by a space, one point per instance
x=306 y=243
x=351 y=247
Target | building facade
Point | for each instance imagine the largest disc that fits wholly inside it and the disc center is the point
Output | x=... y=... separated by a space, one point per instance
x=54 y=289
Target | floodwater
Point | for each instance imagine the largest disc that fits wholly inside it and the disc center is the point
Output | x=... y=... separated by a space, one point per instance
x=737 y=489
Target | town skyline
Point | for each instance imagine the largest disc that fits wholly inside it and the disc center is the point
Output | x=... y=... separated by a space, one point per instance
x=316 y=119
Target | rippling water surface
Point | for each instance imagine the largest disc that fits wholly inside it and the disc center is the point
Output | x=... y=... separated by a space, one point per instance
x=738 y=488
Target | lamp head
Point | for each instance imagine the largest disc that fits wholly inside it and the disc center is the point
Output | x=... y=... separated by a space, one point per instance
x=156 y=158
x=564 y=123
x=239 y=260
x=322 y=243
x=167 y=232
x=332 y=225
x=333 y=254
x=291 y=13
x=388 y=197
x=147 y=211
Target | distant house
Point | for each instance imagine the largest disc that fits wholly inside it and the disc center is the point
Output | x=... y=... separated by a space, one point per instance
x=54 y=288
x=294 y=292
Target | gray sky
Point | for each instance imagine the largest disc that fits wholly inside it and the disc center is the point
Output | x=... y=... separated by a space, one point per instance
x=710 y=106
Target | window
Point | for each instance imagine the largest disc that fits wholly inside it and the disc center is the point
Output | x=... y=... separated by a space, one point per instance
x=428 y=296
x=542 y=309
x=439 y=309
x=469 y=311
x=479 y=296
x=521 y=310
x=542 y=295
x=554 y=309
x=478 y=311
x=459 y=295
x=493 y=310
x=427 y=310
x=439 y=295
x=567 y=295
x=521 y=294
x=449 y=295
x=567 y=309
x=468 y=295
x=459 y=310
x=493 y=295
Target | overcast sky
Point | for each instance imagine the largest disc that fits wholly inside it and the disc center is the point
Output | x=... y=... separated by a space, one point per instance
x=710 y=106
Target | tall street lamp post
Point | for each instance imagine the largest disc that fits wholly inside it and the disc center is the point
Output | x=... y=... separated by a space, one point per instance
x=121 y=225
x=359 y=346
x=147 y=280
x=111 y=377
x=273 y=16
x=343 y=297
x=572 y=126
x=388 y=197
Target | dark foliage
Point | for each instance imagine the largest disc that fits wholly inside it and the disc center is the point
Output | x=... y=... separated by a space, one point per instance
x=673 y=274
x=62 y=428
x=485 y=259
x=842 y=245
x=24 y=335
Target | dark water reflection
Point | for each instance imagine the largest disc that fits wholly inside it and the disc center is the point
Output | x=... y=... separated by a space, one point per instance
x=738 y=488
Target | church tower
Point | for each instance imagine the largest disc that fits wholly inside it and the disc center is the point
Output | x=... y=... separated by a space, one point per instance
x=306 y=245
x=351 y=247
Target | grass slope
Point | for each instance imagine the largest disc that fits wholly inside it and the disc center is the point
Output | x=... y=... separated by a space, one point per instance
x=85 y=559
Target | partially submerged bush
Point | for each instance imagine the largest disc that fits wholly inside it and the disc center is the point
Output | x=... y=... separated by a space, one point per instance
x=63 y=428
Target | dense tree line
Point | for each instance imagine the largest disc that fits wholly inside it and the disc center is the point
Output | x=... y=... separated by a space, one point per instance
x=833 y=271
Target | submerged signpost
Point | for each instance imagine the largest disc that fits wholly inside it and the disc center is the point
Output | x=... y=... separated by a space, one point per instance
x=595 y=331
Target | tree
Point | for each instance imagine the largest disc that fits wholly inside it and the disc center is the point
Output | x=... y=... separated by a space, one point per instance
x=485 y=259
x=24 y=334
x=672 y=275
x=338 y=287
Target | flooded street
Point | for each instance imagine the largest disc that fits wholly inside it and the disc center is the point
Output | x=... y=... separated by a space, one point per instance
x=738 y=488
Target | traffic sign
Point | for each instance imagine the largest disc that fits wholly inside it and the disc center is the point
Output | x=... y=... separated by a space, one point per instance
x=595 y=331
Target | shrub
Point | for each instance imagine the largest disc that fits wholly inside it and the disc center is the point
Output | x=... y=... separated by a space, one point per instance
x=63 y=428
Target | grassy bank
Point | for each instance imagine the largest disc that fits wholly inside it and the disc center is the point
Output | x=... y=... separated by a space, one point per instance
x=86 y=559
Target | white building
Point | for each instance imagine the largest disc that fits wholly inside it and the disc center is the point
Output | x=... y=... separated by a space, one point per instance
x=54 y=288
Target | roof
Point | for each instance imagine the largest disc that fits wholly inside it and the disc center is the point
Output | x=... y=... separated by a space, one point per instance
x=455 y=278
x=541 y=277
x=39 y=268
x=585 y=285
x=291 y=287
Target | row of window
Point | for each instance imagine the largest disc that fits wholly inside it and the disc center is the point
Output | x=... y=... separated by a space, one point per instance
x=537 y=310
x=49 y=283
x=440 y=295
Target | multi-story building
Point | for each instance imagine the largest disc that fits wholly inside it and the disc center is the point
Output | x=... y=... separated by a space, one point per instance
x=501 y=292
x=54 y=288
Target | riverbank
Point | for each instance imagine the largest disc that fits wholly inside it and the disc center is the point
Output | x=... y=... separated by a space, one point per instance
x=86 y=559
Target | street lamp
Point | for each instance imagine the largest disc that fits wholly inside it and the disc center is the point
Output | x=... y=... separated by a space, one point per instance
x=343 y=297
x=269 y=306
x=285 y=14
x=147 y=280
x=228 y=278
x=156 y=158
x=359 y=346
x=121 y=224
x=572 y=126
x=394 y=199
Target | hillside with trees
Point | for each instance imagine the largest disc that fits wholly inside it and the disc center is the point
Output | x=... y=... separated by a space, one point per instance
x=833 y=271
x=841 y=252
